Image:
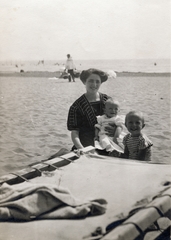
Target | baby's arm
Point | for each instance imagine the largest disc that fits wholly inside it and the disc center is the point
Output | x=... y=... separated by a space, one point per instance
x=119 y=128
x=117 y=133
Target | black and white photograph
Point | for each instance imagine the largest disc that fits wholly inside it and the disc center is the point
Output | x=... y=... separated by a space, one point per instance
x=85 y=127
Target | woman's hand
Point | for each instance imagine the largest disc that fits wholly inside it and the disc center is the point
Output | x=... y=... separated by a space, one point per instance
x=110 y=129
x=96 y=138
x=78 y=152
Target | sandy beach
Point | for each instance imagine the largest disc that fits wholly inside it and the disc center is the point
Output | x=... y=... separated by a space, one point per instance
x=34 y=108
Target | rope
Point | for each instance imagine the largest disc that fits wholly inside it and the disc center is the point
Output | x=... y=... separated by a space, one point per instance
x=18 y=175
x=38 y=170
x=69 y=160
x=51 y=165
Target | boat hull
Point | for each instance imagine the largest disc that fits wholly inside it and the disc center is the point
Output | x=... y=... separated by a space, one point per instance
x=124 y=184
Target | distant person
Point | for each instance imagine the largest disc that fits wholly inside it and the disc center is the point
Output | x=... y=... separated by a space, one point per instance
x=70 y=66
x=83 y=113
x=111 y=110
x=137 y=145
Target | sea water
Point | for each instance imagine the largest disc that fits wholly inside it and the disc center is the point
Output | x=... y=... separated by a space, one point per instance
x=33 y=113
x=118 y=65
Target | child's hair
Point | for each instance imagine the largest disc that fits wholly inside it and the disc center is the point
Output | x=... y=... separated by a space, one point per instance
x=135 y=113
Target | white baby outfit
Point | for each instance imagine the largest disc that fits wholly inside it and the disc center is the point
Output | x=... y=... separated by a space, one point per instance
x=104 y=139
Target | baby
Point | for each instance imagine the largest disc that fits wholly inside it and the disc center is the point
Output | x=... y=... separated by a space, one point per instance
x=112 y=108
x=137 y=145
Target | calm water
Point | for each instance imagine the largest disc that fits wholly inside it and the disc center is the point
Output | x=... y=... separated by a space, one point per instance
x=128 y=65
x=33 y=114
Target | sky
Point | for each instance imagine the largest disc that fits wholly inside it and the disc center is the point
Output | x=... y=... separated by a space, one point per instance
x=87 y=29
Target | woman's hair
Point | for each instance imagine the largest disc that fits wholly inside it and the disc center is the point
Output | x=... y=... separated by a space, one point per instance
x=86 y=73
x=135 y=113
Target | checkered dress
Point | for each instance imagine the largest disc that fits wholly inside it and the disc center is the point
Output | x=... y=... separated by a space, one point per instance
x=82 y=117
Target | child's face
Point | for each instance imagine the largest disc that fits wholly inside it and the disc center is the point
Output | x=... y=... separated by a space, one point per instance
x=111 y=109
x=134 y=125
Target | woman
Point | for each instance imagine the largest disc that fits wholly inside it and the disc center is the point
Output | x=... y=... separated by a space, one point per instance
x=83 y=112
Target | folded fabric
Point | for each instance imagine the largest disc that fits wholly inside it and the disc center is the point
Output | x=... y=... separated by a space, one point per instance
x=28 y=201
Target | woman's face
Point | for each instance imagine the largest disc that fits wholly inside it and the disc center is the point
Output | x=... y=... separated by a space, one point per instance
x=93 y=83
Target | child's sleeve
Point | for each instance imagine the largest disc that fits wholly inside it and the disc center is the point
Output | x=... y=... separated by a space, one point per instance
x=148 y=154
x=145 y=142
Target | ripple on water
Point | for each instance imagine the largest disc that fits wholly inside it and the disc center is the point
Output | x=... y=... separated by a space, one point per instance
x=19 y=150
x=160 y=137
x=166 y=133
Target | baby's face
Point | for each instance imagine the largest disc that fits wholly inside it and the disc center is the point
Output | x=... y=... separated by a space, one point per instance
x=134 y=125
x=111 y=109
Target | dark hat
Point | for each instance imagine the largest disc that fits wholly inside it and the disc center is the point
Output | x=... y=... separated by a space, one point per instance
x=86 y=73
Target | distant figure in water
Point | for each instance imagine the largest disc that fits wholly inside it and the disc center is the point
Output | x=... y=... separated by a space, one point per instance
x=70 y=66
x=155 y=64
x=41 y=62
x=137 y=145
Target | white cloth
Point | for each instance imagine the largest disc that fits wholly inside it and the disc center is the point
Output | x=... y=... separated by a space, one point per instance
x=103 y=121
x=27 y=201
x=70 y=64
x=105 y=140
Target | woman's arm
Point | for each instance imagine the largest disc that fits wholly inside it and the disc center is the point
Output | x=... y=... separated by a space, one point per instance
x=97 y=128
x=96 y=134
x=76 y=140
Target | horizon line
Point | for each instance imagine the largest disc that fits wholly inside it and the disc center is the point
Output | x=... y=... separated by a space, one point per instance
x=76 y=59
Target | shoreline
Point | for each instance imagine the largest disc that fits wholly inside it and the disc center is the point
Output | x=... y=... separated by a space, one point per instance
x=57 y=74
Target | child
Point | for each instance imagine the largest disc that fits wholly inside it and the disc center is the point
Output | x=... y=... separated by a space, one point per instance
x=112 y=107
x=137 y=145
